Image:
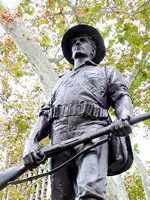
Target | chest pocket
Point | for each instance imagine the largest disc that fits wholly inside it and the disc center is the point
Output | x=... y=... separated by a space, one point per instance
x=97 y=85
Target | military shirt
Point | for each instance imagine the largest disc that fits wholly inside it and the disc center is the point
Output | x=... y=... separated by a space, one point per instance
x=100 y=86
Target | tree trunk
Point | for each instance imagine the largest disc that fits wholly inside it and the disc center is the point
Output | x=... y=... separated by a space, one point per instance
x=116 y=189
x=144 y=175
x=40 y=63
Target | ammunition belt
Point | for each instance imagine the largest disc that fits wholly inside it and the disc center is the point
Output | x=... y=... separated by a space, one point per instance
x=83 y=109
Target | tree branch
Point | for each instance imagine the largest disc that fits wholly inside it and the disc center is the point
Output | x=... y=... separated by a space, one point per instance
x=34 y=53
x=132 y=76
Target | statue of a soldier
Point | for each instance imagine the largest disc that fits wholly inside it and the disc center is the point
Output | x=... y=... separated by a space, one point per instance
x=79 y=105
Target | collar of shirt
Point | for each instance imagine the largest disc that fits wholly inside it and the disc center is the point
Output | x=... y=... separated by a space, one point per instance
x=88 y=62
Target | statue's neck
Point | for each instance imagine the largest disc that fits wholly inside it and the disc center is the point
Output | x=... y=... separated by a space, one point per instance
x=80 y=61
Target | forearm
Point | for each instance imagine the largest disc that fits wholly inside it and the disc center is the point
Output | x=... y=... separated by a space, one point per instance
x=39 y=132
x=124 y=107
x=31 y=155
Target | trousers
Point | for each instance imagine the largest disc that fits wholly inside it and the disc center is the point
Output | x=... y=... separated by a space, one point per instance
x=85 y=177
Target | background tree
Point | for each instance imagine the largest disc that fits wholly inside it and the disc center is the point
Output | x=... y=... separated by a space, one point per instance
x=31 y=60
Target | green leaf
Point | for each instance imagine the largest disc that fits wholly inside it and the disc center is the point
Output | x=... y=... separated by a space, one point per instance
x=45 y=41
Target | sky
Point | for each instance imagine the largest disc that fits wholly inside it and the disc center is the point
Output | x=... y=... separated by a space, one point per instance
x=11 y=4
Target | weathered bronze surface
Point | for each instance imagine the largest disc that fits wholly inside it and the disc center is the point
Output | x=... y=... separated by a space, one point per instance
x=79 y=104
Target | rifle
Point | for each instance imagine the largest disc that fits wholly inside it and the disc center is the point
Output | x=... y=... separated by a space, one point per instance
x=13 y=173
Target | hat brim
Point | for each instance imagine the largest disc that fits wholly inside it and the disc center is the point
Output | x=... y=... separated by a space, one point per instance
x=78 y=30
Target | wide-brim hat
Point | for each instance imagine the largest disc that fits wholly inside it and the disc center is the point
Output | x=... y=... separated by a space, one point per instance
x=83 y=29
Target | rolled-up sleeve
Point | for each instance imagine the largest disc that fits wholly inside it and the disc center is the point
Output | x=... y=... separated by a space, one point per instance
x=118 y=94
x=116 y=85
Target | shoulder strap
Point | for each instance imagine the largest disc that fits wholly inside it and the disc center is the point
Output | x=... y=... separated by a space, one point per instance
x=107 y=82
x=58 y=84
x=106 y=75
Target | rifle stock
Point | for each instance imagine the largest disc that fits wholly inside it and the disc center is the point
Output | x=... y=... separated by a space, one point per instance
x=51 y=150
x=10 y=175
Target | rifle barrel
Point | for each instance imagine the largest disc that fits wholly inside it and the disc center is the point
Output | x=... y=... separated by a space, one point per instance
x=140 y=118
x=10 y=175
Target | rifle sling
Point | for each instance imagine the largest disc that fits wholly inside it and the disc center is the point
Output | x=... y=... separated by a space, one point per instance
x=61 y=165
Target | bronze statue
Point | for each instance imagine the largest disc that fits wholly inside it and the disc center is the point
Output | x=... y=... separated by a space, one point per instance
x=79 y=105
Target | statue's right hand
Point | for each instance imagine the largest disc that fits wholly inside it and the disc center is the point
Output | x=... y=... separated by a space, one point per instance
x=34 y=159
x=32 y=156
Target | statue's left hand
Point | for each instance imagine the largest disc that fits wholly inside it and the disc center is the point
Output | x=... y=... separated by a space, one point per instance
x=122 y=128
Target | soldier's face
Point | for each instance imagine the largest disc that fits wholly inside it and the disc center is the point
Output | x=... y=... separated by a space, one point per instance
x=83 y=47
